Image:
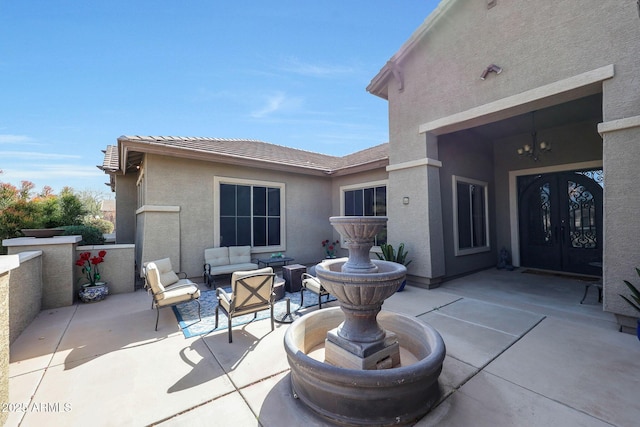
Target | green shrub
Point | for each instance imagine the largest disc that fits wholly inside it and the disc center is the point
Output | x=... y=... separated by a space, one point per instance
x=389 y=254
x=90 y=235
x=101 y=224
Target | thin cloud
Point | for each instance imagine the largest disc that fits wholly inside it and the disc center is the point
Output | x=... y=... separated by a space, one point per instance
x=275 y=103
x=294 y=65
x=44 y=171
x=15 y=139
x=36 y=155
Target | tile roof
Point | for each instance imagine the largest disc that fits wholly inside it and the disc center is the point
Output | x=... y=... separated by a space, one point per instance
x=110 y=162
x=247 y=149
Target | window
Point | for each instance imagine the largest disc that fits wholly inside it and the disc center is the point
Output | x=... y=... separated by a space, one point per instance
x=250 y=213
x=366 y=200
x=471 y=218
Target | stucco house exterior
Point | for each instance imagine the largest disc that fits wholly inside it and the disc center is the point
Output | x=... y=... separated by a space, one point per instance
x=513 y=124
x=480 y=82
x=177 y=196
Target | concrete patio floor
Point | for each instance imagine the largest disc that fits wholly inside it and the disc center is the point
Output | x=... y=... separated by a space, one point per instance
x=521 y=351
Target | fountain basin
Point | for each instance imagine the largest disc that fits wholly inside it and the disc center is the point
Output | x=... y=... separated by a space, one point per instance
x=353 y=397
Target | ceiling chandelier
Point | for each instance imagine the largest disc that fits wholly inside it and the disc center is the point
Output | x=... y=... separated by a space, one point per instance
x=535 y=149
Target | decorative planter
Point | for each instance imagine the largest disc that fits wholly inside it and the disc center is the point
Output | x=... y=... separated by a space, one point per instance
x=93 y=293
x=42 y=232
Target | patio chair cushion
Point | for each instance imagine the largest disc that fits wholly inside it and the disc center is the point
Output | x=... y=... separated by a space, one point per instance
x=247 y=303
x=313 y=284
x=216 y=256
x=167 y=275
x=184 y=290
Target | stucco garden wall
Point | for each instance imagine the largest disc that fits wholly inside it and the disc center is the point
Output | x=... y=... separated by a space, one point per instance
x=118 y=268
x=7 y=263
x=25 y=292
x=58 y=270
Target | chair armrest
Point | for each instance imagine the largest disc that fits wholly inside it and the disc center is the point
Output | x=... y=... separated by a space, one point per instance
x=207 y=268
x=172 y=287
x=181 y=272
x=307 y=276
x=221 y=293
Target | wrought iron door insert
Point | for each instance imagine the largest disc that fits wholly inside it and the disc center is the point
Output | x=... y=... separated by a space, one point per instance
x=561 y=221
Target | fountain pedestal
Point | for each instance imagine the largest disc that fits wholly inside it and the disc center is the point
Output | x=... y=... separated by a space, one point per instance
x=359 y=342
x=383 y=354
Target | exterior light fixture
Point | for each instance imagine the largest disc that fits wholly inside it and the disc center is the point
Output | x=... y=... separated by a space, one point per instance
x=493 y=68
x=405 y=200
x=535 y=149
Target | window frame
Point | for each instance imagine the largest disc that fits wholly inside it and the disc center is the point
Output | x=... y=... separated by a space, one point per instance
x=362 y=186
x=218 y=180
x=456 y=232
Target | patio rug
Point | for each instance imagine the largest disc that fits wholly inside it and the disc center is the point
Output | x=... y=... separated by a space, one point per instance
x=187 y=313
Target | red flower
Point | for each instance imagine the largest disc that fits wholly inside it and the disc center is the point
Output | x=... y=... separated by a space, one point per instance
x=89 y=265
x=330 y=247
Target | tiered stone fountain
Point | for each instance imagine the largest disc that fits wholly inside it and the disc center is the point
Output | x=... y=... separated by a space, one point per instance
x=354 y=364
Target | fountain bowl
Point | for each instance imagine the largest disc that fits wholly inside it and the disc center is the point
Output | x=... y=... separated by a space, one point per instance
x=361 y=289
x=353 y=397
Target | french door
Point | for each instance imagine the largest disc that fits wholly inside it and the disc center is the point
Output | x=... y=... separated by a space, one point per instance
x=560 y=221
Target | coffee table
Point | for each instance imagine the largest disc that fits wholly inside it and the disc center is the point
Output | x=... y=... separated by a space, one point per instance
x=274 y=260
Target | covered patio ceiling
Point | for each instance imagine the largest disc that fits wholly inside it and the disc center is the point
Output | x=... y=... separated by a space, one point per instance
x=584 y=109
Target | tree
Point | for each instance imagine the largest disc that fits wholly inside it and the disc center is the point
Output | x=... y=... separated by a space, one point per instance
x=72 y=209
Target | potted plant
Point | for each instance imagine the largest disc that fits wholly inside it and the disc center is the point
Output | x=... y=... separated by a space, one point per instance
x=389 y=254
x=95 y=289
x=633 y=300
x=330 y=248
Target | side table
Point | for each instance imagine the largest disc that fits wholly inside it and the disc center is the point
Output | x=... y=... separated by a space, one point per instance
x=292 y=275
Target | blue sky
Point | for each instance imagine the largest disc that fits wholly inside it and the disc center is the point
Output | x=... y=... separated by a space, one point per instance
x=75 y=75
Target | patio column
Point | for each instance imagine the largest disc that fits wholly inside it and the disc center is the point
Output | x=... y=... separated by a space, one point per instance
x=415 y=214
x=621 y=255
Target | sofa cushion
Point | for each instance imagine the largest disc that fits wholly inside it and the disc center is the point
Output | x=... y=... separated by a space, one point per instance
x=216 y=256
x=228 y=269
x=239 y=254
